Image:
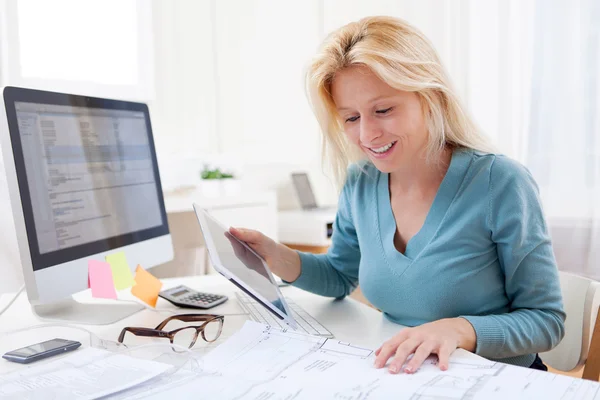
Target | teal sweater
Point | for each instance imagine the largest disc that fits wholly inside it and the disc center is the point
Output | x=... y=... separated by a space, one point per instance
x=483 y=253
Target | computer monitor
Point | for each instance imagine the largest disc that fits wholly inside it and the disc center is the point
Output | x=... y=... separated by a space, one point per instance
x=304 y=191
x=83 y=182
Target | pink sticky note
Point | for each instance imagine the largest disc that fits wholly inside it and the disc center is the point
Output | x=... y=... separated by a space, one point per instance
x=101 y=280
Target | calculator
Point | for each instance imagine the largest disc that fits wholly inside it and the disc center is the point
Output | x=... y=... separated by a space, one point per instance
x=183 y=296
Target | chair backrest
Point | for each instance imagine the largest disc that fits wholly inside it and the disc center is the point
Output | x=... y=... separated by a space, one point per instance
x=581 y=297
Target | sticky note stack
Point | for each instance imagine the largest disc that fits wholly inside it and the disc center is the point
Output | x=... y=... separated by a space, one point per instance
x=105 y=277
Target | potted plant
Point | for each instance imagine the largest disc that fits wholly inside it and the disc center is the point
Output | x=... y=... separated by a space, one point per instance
x=216 y=183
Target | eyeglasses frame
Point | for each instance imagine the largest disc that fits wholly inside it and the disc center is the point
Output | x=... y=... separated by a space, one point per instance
x=158 y=332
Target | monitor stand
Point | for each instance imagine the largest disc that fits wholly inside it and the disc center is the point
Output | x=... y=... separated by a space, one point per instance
x=73 y=311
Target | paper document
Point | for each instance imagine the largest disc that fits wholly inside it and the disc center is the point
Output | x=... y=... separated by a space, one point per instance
x=85 y=374
x=259 y=362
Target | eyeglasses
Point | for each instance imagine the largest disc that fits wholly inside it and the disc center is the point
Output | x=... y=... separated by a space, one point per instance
x=184 y=336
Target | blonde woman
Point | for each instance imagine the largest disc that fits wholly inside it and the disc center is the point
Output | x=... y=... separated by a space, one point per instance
x=443 y=235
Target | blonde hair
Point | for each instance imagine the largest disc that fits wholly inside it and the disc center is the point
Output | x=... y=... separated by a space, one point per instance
x=403 y=58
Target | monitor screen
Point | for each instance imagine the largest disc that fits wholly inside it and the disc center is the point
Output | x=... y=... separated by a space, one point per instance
x=304 y=190
x=87 y=174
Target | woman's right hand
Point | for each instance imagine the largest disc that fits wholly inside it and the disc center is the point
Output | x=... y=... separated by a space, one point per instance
x=282 y=261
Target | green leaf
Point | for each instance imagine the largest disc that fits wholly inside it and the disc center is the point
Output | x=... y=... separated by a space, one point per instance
x=214 y=174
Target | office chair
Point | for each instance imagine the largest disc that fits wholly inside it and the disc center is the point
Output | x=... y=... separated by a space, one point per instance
x=581 y=344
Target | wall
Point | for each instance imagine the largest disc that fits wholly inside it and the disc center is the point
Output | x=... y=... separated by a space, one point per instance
x=229 y=91
x=227 y=78
x=229 y=83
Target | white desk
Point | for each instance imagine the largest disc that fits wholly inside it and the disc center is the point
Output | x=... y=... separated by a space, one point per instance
x=306 y=228
x=349 y=320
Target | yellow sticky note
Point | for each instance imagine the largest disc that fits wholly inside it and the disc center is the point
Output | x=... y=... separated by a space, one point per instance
x=146 y=286
x=120 y=269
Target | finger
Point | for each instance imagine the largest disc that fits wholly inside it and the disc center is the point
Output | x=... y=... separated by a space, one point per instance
x=394 y=342
x=237 y=232
x=422 y=352
x=444 y=355
x=246 y=235
x=386 y=351
x=404 y=350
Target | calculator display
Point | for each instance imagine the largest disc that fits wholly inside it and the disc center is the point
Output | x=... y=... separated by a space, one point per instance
x=179 y=293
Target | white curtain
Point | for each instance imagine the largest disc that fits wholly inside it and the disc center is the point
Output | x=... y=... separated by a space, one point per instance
x=534 y=87
x=564 y=134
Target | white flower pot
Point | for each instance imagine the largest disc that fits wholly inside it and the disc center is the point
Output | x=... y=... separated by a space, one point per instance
x=210 y=188
x=231 y=187
x=213 y=188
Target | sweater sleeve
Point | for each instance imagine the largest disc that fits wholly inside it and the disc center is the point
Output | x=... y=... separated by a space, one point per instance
x=334 y=274
x=535 y=322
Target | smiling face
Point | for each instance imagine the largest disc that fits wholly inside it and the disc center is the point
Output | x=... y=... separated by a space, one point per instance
x=387 y=124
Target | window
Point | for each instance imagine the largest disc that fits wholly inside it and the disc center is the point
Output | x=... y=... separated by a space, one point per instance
x=95 y=47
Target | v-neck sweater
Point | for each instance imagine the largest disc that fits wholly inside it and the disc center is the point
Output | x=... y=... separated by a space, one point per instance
x=483 y=253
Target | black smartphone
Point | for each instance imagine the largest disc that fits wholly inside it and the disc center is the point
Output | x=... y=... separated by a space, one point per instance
x=40 y=351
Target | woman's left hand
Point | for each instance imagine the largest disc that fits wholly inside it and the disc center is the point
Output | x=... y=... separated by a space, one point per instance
x=440 y=337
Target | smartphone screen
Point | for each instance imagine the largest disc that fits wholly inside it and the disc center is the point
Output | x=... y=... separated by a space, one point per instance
x=40 y=348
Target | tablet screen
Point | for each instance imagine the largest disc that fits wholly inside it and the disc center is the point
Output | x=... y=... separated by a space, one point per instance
x=241 y=262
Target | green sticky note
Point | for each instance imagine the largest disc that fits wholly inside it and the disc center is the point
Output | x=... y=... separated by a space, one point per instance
x=122 y=275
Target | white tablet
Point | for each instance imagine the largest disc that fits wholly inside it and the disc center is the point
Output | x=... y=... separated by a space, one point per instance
x=236 y=261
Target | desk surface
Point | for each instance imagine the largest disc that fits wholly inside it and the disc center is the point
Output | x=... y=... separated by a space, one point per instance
x=348 y=319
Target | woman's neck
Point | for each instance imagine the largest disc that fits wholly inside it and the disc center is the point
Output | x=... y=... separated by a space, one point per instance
x=423 y=175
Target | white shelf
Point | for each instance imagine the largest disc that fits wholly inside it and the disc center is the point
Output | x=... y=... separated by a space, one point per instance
x=181 y=200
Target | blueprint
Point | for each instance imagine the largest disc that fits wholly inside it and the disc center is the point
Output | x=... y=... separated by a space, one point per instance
x=263 y=363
